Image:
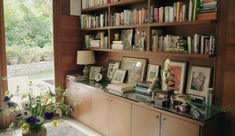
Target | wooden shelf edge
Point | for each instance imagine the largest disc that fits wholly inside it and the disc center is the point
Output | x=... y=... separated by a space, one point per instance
x=197 y=22
x=95 y=8
x=128 y=26
x=126 y=2
x=163 y=54
x=95 y=29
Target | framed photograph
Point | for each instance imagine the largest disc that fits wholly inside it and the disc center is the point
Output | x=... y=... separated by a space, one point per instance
x=153 y=71
x=135 y=68
x=127 y=38
x=119 y=76
x=93 y=72
x=112 y=66
x=199 y=80
x=179 y=71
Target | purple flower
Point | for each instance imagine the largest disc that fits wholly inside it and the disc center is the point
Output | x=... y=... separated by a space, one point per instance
x=32 y=120
x=48 y=115
x=10 y=104
x=6 y=99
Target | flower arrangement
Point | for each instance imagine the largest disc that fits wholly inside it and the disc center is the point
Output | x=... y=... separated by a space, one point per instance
x=34 y=111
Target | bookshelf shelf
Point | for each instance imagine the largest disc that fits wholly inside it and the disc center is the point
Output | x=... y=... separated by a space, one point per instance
x=160 y=54
x=198 y=22
x=95 y=29
x=102 y=7
x=126 y=2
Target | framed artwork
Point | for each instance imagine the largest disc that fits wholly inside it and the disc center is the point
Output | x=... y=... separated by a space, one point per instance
x=112 y=66
x=135 y=68
x=119 y=76
x=127 y=38
x=153 y=71
x=93 y=72
x=179 y=72
x=198 y=80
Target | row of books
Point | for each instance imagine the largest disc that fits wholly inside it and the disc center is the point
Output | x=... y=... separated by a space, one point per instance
x=89 y=21
x=198 y=44
x=128 y=17
x=208 y=6
x=179 y=11
x=91 y=42
x=93 y=3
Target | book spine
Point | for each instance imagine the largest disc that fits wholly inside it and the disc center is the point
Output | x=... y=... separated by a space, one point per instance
x=156 y=17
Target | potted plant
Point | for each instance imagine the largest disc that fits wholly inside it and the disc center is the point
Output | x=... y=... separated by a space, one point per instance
x=34 y=111
x=27 y=55
x=12 y=55
x=36 y=51
x=48 y=53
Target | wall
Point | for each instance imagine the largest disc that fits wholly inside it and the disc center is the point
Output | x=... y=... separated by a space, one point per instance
x=229 y=68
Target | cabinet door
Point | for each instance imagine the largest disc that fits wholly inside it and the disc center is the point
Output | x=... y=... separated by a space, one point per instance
x=100 y=109
x=120 y=118
x=82 y=111
x=171 y=126
x=145 y=122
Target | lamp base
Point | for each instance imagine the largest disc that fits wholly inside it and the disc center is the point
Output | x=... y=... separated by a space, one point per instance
x=86 y=71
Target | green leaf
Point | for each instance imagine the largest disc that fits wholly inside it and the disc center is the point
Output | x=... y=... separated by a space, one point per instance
x=1 y=110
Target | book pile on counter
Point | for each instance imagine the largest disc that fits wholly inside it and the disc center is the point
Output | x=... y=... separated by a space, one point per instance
x=198 y=44
x=93 y=3
x=93 y=21
x=129 y=17
x=178 y=11
x=117 y=45
x=208 y=10
x=121 y=87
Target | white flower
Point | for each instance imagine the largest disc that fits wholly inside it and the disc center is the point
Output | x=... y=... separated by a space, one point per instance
x=40 y=120
x=26 y=114
x=58 y=111
x=25 y=104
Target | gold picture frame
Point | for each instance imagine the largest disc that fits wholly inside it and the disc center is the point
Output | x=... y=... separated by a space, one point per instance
x=135 y=68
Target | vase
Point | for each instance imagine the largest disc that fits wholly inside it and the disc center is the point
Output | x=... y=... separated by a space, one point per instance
x=42 y=132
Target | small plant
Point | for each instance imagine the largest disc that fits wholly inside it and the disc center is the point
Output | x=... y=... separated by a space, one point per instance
x=34 y=111
x=12 y=54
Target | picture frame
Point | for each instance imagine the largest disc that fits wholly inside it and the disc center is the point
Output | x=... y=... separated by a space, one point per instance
x=94 y=70
x=119 y=76
x=135 y=68
x=199 y=80
x=179 y=70
x=152 y=72
x=112 y=66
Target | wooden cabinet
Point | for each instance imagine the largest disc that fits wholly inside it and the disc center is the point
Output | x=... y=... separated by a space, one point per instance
x=145 y=122
x=120 y=118
x=110 y=116
x=100 y=112
x=82 y=111
x=171 y=126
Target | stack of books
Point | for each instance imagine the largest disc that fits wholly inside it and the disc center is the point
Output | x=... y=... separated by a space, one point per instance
x=197 y=44
x=179 y=11
x=91 y=42
x=207 y=6
x=118 y=45
x=121 y=87
x=129 y=17
x=208 y=10
x=93 y=21
x=93 y=3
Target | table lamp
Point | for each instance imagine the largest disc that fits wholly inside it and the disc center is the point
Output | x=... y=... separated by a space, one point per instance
x=85 y=58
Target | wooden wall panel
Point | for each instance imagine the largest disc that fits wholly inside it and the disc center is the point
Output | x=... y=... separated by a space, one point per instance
x=230 y=54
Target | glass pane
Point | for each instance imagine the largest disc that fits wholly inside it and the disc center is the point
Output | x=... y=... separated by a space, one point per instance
x=29 y=44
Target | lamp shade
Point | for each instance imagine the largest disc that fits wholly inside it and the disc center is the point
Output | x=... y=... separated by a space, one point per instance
x=85 y=57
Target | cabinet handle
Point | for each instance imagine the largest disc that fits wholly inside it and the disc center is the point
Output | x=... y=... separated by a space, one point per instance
x=157 y=116
x=111 y=100
x=164 y=119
